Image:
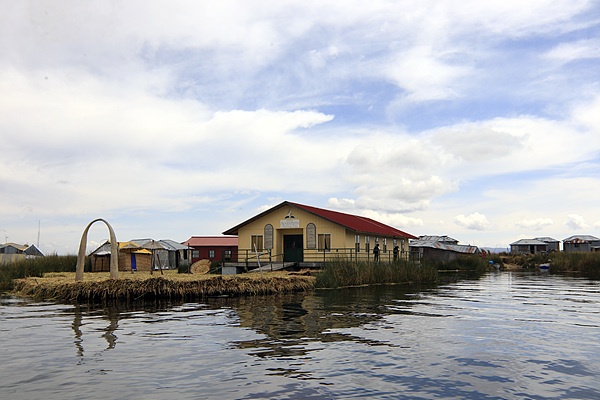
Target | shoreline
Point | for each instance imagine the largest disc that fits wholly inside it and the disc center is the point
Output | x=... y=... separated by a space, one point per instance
x=98 y=287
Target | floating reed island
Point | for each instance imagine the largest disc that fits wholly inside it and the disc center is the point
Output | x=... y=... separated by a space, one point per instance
x=99 y=287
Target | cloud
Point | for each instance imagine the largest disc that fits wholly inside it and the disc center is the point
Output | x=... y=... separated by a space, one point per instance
x=573 y=51
x=404 y=111
x=535 y=224
x=474 y=221
x=576 y=222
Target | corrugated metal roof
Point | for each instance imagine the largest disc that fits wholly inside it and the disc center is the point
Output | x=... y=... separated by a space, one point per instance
x=580 y=239
x=443 y=238
x=546 y=239
x=529 y=242
x=17 y=246
x=173 y=245
x=355 y=223
x=436 y=244
x=216 y=241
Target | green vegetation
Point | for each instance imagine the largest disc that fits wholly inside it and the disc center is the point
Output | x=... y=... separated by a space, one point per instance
x=466 y=263
x=35 y=267
x=527 y=261
x=341 y=273
x=586 y=264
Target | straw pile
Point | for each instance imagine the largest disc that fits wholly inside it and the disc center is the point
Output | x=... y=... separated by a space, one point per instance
x=62 y=287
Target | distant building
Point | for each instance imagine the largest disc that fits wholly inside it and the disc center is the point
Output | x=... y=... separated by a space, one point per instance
x=11 y=252
x=534 y=246
x=581 y=243
x=213 y=248
x=439 y=248
x=553 y=244
x=140 y=255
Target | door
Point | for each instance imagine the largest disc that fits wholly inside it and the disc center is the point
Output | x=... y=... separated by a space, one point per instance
x=133 y=262
x=292 y=248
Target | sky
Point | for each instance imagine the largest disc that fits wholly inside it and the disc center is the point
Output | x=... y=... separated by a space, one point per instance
x=474 y=119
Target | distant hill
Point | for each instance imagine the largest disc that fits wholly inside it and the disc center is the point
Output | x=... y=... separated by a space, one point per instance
x=496 y=249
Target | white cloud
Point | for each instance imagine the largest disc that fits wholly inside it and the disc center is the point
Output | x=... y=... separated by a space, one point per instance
x=576 y=222
x=406 y=111
x=567 y=52
x=474 y=221
x=535 y=224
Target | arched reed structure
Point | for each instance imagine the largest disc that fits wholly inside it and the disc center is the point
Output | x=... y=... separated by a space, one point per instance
x=114 y=252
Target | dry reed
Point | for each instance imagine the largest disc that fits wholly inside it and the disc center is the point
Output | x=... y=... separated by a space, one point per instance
x=99 y=288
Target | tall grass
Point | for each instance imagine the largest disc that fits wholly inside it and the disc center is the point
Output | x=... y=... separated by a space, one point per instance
x=35 y=267
x=341 y=273
x=470 y=263
x=586 y=264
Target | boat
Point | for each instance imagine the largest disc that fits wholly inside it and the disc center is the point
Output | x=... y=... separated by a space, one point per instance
x=545 y=266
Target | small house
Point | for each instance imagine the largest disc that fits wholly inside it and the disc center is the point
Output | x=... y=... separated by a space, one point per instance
x=581 y=243
x=529 y=246
x=11 y=252
x=439 y=249
x=140 y=255
x=132 y=257
x=213 y=248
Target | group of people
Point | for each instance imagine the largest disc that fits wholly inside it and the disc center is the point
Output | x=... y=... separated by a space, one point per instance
x=396 y=252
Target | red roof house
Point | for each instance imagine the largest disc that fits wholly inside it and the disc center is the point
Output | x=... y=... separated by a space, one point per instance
x=213 y=248
x=301 y=233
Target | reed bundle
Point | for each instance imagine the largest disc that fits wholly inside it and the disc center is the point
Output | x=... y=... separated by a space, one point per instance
x=160 y=288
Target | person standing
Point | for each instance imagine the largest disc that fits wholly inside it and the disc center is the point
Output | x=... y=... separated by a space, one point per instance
x=396 y=251
x=376 y=252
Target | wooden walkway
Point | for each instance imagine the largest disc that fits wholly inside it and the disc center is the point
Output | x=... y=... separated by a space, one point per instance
x=272 y=267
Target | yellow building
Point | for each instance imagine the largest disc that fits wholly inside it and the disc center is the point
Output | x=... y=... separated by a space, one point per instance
x=292 y=232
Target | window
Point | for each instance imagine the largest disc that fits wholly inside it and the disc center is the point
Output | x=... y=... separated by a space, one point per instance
x=357 y=243
x=227 y=254
x=211 y=254
x=311 y=236
x=195 y=253
x=268 y=236
x=324 y=242
x=367 y=243
x=384 y=245
x=256 y=243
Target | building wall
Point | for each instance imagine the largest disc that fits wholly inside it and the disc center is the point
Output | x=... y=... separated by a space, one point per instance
x=580 y=247
x=342 y=240
x=11 y=258
x=203 y=252
x=102 y=263
x=528 y=249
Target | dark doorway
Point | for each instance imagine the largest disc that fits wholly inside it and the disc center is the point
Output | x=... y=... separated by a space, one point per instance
x=292 y=248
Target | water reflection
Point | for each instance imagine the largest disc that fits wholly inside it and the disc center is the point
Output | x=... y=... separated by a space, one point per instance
x=294 y=325
x=110 y=315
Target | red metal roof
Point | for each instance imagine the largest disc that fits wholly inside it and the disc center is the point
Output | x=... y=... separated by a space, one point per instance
x=215 y=241
x=352 y=222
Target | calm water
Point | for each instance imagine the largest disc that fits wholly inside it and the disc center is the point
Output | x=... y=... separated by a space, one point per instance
x=504 y=336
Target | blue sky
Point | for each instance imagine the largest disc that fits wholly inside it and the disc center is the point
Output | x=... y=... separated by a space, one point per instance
x=478 y=120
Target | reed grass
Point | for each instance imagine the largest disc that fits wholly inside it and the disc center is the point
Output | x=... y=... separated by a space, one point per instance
x=586 y=264
x=466 y=263
x=172 y=286
x=343 y=273
x=35 y=267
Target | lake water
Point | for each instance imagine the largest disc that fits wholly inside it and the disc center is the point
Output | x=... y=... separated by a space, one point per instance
x=507 y=335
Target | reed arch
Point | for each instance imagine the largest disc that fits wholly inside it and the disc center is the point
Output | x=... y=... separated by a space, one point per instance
x=114 y=252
